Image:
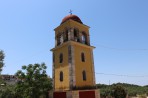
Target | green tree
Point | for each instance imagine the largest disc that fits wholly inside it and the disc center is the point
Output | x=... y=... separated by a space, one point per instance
x=2 y=56
x=33 y=81
x=105 y=93
x=119 y=92
x=132 y=89
x=7 y=91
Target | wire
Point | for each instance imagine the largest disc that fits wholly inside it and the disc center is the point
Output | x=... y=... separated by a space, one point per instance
x=121 y=49
x=119 y=75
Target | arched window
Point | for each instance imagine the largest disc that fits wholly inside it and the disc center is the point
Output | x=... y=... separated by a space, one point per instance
x=61 y=39
x=61 y=58
x=76 y=35
x=82 y=57
x=58 y=40
x=61 y=76
x=66 y=35
x=84 y=75
x=84 y=38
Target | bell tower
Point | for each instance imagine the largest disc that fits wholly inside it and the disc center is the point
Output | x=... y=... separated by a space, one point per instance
x=73 y=63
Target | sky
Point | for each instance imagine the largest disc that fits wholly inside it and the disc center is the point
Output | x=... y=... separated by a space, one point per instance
x=118 y=30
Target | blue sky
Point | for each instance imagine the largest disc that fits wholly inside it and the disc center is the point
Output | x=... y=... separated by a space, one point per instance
x=119 y=31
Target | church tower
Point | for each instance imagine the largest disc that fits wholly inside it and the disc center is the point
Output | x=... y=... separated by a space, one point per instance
x=73 y=63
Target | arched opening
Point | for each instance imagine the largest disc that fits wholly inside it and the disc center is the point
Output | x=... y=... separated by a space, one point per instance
x=58 y=40
x=66 y=35
x=61 y=76
x=61 y=58
x=84 y=38
x=84 y=75
x=82 y=57
x=76 y=35
x=61 y=38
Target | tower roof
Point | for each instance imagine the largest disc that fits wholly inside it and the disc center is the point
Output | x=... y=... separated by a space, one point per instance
x=72 y=17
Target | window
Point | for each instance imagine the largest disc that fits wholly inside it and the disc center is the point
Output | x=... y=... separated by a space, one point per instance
x=84 y=38
x=61 y=39
x=61 y=58
x=76 y=35
x=84 y=75
x=58 y=40
x=82 y=57
x=66 y=36
x=61 y=76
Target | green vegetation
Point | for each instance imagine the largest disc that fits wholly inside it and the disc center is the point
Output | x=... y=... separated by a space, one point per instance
x=34 y=81
x=132 y=90
x=7 y=91
x=119 y=92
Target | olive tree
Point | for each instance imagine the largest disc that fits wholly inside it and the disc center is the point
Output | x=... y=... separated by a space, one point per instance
x=33 y=81
x=118 y=91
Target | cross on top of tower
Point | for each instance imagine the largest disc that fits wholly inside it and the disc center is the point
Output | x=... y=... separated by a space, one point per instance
x=70 y=12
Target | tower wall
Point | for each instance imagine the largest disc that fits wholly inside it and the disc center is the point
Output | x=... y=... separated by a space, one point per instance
x=83 y=66
x=64 y=67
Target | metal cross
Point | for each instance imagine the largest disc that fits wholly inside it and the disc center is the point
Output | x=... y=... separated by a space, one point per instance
x=70 y=12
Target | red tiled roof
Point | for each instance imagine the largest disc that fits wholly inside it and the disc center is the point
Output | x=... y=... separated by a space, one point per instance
x=72 y=17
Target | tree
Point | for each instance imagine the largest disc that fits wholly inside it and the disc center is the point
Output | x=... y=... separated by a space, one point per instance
x=131 y=89
x=7 y=91
x=105 y=93
x=119 y=92
x=33 y=81
x=2 y=56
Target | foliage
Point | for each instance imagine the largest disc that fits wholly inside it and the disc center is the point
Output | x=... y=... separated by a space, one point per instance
x=6 y=90
x=33 y=81
x=105 y=93
x=119 y=91
x=2 y=56
x=105 y=90
x=102 y=85
x=132 y=90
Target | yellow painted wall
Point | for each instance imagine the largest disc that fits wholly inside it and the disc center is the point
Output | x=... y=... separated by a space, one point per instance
x=80 y=66
x=61 y=67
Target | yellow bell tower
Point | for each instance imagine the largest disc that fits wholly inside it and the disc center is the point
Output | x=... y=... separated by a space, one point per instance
x=73 y=63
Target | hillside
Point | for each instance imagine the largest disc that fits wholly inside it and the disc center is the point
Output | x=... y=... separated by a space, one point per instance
x=131 y=89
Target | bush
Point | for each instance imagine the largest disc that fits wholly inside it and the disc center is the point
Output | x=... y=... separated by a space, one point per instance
x=119 y=92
